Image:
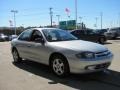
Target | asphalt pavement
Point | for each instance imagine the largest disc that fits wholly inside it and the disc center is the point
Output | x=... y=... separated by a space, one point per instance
x=34 y=76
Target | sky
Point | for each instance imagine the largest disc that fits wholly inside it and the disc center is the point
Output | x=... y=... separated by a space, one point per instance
x=36 y=12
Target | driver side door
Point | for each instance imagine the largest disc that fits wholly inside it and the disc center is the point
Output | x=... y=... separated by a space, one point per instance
x=38 y=49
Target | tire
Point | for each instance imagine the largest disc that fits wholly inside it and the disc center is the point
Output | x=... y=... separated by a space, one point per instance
x=16 y=56
x=101 y=40
x=59 y=66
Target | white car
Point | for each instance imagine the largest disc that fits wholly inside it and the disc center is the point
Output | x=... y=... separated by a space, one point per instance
x=11 y=37
x=60 y=50
x=3 y=37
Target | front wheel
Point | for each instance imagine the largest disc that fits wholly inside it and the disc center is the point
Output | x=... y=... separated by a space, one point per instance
x=16 y=56
x=102 y=40
x=59 y=66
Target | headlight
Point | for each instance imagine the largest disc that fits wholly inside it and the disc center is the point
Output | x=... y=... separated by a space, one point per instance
x=86 y=55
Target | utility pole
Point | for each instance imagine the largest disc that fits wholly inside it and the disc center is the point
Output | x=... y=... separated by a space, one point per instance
x=81 y=26
x=58 y=19
x=51 y=16
x=96 y=19
x=76 y=12
x=80 y=19
x=101 y=15
x=119 y=19
x=14 y=12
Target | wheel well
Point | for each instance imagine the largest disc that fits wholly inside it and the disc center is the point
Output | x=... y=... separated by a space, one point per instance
x=55 y=54
x=13 y=48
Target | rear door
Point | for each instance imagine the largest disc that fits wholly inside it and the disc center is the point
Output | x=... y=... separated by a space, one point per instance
x=23 y=44
x=91 y=36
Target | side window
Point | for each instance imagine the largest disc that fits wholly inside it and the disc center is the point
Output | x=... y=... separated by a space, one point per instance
x=81 y=32
x=89 y=32
x=25 y=36
x=36 y=35
x=78 y=32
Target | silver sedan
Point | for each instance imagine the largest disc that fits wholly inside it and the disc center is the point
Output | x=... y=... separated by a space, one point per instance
x=63 y=52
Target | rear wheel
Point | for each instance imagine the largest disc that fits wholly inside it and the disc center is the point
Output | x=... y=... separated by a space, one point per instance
x=16 y=56
x=59 y=66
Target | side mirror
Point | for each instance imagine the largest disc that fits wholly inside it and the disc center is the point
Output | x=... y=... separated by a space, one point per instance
x=39 y=40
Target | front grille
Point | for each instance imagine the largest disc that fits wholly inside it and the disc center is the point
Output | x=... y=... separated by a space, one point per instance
x=102 y=54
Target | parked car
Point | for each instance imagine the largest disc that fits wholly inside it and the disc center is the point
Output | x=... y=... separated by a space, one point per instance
x=59 y=49
x=89 y=35
x=113 y=33
x=101 y=31
x=11 y=37
x=3 y=37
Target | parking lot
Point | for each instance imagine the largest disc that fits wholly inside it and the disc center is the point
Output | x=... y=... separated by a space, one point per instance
x=33 y=76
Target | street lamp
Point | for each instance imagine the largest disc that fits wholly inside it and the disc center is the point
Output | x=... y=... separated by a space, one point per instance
x=96 y=19
x=81 y=26
x=58 y=19
x=101 y=15
x=51 y=16
x=76 y=12
x=80 y=19
x=14 y=12
x=119 y=19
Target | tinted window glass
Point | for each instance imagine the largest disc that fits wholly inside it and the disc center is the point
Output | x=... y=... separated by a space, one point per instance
x=36 y=34
x=25 y=36
x=89 y=32
x=80 y=32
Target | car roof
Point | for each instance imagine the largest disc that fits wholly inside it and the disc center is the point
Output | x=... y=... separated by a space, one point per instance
x=40 y=29
x=81 y=30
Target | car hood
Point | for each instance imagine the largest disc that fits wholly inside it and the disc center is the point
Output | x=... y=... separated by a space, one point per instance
x=80 y=45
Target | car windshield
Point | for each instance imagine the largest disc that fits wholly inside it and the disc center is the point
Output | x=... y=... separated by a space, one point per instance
x=58 y=35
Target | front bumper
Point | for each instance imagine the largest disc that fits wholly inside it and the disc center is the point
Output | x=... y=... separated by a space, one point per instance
x=82 y=66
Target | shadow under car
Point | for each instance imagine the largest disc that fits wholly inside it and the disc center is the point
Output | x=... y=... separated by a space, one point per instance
x=109 y=80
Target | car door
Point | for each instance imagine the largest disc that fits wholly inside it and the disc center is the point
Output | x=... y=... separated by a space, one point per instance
x=38 y=49
x=79 y=34
x=91 y=36
x=82 y=34
x=23 y=44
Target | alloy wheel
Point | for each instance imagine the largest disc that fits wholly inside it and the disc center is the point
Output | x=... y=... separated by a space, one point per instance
x=58 y=66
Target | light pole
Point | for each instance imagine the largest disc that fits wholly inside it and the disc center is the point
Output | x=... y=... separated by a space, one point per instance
x=14 y=12
x=58 y=19
x=80 y=19
x=119 y=19
x=51 y=16
x=76 y=12
x=101 y=15
x=80 y=22
x=96 y=19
